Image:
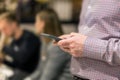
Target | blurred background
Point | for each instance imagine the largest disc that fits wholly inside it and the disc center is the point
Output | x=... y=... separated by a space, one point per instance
x=57 y=65
x=68 y=11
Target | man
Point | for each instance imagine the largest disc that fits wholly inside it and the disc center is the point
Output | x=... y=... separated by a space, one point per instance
x=23 y=51
x=96 y=49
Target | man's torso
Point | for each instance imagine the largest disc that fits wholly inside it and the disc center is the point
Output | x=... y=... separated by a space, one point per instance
x=100 y=19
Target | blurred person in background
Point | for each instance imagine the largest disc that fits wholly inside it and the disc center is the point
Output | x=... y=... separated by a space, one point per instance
x=11 y=5
x=57 y=65
x=2 y=6
x=26 y=10
x=58 y=62
x=24 y=48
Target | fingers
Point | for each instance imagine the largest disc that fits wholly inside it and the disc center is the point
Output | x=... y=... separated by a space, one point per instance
x=73 y=44
x=65 y=42
x=65 y=36
x=73 y=34
x=61 y=37
x=65 y=49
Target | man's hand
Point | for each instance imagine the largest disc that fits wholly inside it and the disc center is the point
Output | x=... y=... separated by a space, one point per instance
x=73 y=44
x=63 y=37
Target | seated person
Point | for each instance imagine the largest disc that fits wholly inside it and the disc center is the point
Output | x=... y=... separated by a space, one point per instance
x=58 y=62
x=23 y=49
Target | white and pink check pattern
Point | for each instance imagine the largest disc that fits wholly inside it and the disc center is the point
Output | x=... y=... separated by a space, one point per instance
x=100 y=20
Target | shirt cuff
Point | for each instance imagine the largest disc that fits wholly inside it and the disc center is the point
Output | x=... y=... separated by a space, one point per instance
x=94 y=48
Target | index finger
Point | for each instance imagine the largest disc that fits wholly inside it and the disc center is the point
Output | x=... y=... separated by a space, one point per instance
x=65 y=42
x=65 y=36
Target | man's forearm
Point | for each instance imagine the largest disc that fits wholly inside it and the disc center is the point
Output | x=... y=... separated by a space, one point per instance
x=105 y=50
x=94 y=48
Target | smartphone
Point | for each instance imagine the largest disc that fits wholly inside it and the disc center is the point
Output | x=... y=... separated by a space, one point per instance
x=51 y=37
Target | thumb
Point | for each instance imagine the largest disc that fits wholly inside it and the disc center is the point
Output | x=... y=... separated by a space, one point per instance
x=65 y=42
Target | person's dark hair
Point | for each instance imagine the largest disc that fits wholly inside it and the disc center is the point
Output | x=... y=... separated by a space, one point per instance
x=52 y=22
x=9 y=16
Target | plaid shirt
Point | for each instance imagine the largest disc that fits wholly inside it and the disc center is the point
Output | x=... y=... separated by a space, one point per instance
x=100 y=21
